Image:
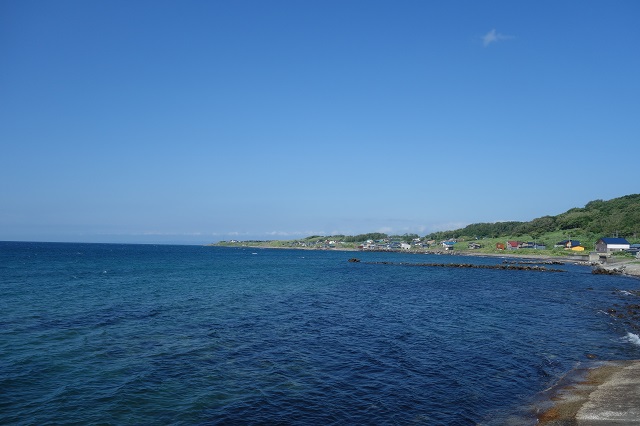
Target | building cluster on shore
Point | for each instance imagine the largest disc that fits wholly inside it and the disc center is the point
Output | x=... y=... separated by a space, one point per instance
x=391 y=244
x=603 y=247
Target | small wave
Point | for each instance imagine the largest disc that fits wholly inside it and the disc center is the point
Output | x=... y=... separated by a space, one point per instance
x=626 y=293
x=633 y=338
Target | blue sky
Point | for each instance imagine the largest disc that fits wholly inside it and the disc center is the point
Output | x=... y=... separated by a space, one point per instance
x=196 y=121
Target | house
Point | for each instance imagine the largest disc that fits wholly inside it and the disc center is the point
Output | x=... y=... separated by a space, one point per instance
x=474 y=246
x=607 y=245
x=512 y=245
x=448 y=245
x=499 y=246
x=634 y=248
x=568 y=244
x=405 y=246
x=533 y=245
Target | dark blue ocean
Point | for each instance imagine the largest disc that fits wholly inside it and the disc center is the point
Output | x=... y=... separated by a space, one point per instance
x=144 y=334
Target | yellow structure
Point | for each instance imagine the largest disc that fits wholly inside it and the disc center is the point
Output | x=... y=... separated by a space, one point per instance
x=577 y=248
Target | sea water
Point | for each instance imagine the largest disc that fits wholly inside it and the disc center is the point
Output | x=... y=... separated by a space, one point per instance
x=144 y=334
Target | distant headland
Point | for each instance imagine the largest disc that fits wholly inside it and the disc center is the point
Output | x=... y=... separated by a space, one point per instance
x=606 y=232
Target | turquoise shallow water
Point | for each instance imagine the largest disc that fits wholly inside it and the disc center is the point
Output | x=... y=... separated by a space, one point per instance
x=141 y=334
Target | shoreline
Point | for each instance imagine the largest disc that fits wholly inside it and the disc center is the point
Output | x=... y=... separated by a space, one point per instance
x=624 y=267
x=604 y=392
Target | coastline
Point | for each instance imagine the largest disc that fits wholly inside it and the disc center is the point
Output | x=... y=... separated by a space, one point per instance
x=606 y=392
x=627 y=267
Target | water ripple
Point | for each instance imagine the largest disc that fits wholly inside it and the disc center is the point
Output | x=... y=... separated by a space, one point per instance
x=195 y=335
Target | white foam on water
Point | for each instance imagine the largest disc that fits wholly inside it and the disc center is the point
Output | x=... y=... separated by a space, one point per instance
x=626 y=293
x=633 y=338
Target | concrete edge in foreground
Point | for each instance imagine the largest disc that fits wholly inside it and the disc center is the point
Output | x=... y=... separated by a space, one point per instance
x=605 y=395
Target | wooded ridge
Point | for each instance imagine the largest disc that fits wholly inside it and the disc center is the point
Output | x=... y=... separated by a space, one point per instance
x=619 y=216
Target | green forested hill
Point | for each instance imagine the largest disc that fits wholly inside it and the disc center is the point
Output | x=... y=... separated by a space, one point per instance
x=619 y=216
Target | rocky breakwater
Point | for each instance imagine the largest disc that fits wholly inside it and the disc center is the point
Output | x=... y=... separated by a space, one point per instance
x=600 y=270
x=629 y=268
x=503 y=267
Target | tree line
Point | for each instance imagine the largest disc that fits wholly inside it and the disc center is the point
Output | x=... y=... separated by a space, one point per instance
x=619 y=216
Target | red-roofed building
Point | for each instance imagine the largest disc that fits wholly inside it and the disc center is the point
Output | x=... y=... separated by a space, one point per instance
x=512 y=245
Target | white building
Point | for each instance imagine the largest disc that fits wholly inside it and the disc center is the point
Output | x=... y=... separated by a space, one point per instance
x=607 y=245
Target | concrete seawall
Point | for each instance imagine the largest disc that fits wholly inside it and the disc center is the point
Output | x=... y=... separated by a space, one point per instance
x=608 y=394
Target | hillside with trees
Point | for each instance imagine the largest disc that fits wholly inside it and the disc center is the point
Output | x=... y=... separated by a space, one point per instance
x=616 y=217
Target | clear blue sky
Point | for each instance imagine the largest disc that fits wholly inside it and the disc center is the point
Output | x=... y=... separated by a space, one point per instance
x=196 y=121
